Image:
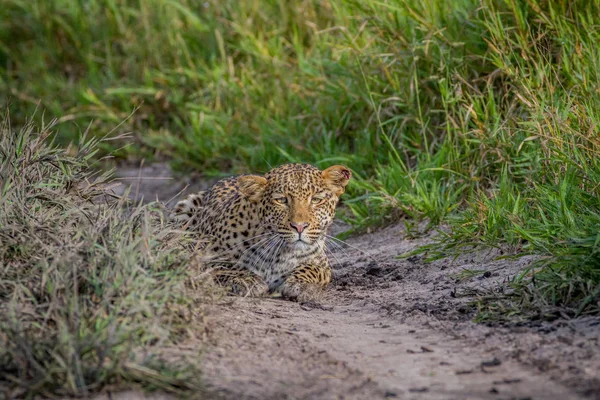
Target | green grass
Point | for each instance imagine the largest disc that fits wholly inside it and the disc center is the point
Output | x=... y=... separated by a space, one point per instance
x=93 y=291
x=479 y=114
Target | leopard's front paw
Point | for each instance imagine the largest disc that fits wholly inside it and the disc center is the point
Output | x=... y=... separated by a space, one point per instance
x=302 y=292
x=244 y=284
x=249 y=287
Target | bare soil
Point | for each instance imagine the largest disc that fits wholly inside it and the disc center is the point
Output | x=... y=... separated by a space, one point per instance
x=391 y=328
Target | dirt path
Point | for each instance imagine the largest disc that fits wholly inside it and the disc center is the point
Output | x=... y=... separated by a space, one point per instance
x=395 y=328
x=391 y=328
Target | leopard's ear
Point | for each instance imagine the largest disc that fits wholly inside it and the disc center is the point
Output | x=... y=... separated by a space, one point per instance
x=336 y=178
x=252 y=186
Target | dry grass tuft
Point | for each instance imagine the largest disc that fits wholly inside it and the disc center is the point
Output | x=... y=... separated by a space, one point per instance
x=92 y=289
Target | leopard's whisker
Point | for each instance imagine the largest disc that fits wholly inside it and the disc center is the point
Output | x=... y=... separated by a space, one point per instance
x=262 y=241
x=257 y=251
x=264 y=252
x=281 y=243
x=337 y=247
x=269 y=235
x=248 y=241
x=275 y=251
x=324 y=248
x=266 y=248
x=334 y=244
x=337 y=259
x=348 y=244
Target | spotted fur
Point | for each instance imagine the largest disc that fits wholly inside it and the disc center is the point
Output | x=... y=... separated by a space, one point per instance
x=267 y=233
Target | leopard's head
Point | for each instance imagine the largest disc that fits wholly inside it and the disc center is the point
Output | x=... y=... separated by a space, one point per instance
x=297 y=201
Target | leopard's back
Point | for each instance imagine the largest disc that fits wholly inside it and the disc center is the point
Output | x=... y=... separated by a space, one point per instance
x=222 y=215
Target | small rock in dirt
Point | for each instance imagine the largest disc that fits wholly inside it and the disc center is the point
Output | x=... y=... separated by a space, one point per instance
x=464 y=372
x=494 y=390
x=487 y=274
x=546 y=329
x=507 y=381
x=565 y=340
x=389 y=394
x=423 y=350
x=311 y=305
x=422 y=307
x=491 y=363
x=418 y=390
x=543 y=364
x=373 y=269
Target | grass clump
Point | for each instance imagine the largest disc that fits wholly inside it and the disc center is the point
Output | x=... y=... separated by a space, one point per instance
x=513 y=160
x=93 y=291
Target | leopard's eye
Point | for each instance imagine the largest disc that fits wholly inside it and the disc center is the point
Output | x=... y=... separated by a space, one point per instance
x=318 y=198
x=280 y=199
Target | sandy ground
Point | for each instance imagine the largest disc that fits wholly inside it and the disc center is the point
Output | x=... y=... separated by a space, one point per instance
x=389 y=328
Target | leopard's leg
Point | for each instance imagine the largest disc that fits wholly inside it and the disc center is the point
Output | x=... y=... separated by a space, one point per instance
x=240 y=282
x=307 y=281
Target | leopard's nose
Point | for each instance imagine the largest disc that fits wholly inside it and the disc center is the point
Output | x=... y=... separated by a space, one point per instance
x=299 y=226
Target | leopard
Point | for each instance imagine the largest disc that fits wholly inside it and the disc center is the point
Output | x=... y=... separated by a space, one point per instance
x=266 y=234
